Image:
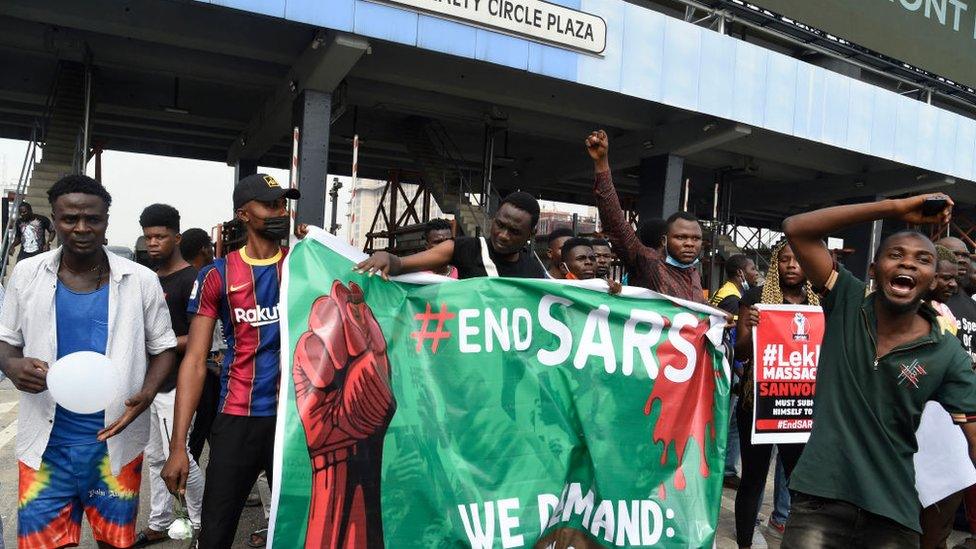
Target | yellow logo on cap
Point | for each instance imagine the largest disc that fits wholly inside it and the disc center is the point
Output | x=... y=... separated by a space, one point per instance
x=271 y=181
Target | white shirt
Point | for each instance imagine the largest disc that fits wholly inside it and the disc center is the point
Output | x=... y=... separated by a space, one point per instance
x=138 y=326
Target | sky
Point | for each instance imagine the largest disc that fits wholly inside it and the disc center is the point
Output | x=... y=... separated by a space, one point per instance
x=200 y=190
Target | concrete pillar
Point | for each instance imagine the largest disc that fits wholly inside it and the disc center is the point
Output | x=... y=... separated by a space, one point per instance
x=312 y=115
x=659 y=186
x=244 y=168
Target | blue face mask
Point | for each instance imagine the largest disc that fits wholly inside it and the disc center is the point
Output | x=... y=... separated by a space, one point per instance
x=745 y=282
x=675 y=263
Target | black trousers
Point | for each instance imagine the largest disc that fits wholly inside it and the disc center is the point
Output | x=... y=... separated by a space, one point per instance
x=821 y=523
x=206 y=412
x=937 y=521
x=240 y=448
x=755 y=470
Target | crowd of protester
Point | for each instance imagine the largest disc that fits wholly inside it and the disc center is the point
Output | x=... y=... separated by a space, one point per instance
x=198 y=340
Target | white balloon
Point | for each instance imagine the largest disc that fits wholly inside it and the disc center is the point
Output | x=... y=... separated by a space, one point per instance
x=83 y=382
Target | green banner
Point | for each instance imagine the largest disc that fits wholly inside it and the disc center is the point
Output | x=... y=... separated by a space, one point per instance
x=493 y=412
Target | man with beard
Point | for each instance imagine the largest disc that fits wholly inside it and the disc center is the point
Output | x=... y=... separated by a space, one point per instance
x=161 y=229
x=242 y=290
x=578 y=259
x=673 y=272
x=946 y=285
x=557 y=237
x=883 y=357
x=604 y=257
x=959 y=302
x=961 y=251
x=504 y=252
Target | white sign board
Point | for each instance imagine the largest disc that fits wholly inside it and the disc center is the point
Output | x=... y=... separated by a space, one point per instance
x=533 y=19
x=942 y=464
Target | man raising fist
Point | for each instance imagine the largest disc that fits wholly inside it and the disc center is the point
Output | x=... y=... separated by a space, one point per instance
x=673 y=272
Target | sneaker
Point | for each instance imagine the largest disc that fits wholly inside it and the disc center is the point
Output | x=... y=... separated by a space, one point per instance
x=731 y=482
x=968 y=543
x=775 y=528
x=758 y=541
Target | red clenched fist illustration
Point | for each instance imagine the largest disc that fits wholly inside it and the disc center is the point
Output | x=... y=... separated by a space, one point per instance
x=342 y=389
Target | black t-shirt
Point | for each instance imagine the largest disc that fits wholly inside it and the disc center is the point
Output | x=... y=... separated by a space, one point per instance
x=750 y=297
x=177 y=287
x=730 y=304
x=467 y=259
x=964 y=309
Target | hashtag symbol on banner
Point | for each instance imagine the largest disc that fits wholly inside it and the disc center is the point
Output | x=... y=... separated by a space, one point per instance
x=769 y=355
x=425 y=333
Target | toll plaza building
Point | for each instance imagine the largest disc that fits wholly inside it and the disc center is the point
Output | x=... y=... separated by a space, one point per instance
x=740 y=114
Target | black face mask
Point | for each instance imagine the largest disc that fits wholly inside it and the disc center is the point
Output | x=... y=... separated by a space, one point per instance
x=276 y=228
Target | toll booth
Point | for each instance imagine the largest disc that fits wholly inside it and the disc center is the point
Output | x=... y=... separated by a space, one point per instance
x=733 y=112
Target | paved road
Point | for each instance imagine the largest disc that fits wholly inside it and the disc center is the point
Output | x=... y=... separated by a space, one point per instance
x=253 y=516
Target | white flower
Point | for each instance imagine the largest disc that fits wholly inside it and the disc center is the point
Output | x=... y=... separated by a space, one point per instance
x=180 y=529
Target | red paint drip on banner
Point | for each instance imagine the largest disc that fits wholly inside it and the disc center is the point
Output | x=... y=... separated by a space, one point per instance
x=687 y=408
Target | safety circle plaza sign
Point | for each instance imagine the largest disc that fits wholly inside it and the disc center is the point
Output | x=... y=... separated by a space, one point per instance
x=533 y=19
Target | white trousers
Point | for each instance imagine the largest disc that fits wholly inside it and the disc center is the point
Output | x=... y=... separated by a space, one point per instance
x=157 y=452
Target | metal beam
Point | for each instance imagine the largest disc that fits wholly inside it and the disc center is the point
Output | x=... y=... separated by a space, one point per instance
x=711 y=138
x=765 y=145
x=312 y=112
x=137 y=54
x=660 y=186
x=189 y=131
x=321 y=67
x=243 y=169
x=683 y=138
x=394 y=97
x=493 y=85
x=107 y=110
x=145 y=57
x=829 y=190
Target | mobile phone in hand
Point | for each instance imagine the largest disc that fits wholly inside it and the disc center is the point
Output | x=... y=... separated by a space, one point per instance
x=933 y=206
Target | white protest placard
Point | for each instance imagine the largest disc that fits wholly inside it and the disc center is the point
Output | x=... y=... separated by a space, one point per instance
x=942 y=463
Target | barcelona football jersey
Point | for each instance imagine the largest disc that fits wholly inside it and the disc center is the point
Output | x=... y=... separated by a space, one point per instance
x=242 y=293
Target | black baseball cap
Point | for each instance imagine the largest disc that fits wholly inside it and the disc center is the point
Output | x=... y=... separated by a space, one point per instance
x=261 y=187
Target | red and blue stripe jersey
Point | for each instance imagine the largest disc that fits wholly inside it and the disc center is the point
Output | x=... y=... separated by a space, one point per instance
x=243 y=294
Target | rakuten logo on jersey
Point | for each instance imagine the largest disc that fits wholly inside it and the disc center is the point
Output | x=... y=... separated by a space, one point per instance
x=259 y=316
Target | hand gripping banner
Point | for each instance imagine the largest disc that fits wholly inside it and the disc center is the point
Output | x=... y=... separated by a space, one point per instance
x=492 y=412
